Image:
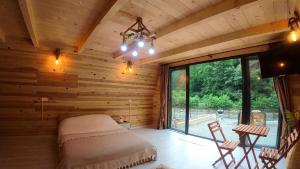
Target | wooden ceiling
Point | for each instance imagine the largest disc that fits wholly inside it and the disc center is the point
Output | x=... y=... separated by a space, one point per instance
x=185 y=28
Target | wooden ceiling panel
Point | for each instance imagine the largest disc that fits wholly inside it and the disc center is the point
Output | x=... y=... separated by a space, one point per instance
x=254 y=14
x=65 y=21
x=12 y=23
x=281 y=9
x=236 y=19
x=198 y=5
x=228 y=46
x=155 y=13
x=62 y=23
x=239 y=19
x=227 y=22
x=108 y=37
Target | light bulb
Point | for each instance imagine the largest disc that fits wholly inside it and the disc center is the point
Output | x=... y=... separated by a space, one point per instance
x=124 y=47
x=281 y=64
x=135 y=53
x=141 y=43
x=294 y=36
x=151 y=51
x=56 y=62
x=130 y=70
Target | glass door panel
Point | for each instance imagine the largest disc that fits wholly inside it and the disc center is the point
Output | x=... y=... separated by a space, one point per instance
x=177 y=109
x=215 y=94
x=264 y=109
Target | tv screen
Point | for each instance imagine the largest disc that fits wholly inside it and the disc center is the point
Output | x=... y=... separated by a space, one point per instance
x=281 y=60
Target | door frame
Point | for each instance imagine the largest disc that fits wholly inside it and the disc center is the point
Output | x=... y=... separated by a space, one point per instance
x=246 y=94
x=169 y=107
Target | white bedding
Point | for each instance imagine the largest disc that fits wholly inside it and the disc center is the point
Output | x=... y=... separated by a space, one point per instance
x=98 y=142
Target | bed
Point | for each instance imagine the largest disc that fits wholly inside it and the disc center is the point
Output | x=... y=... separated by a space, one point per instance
x=98 y=142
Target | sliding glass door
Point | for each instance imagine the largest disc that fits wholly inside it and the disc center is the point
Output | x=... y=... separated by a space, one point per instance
x=177 y=99
x=215 y=94
x=230 y=91
x=264 y=109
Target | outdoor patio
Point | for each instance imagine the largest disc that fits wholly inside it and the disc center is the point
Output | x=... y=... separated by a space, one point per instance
x=228 y=120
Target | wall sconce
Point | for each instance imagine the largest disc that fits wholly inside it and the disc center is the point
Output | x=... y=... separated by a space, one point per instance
x=57 y=55
x=294 y=26
x=129 y=66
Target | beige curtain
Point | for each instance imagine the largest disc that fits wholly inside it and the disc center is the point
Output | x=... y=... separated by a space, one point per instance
x=164 y=78
x=283 y=94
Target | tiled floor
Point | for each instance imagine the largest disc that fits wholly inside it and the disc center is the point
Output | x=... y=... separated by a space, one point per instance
x=179 y=151
x=175 y=150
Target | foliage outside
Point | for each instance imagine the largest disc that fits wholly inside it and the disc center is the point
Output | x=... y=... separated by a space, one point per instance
x=218 y=85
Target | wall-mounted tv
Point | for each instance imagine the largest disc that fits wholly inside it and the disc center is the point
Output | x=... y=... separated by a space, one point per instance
x=280 y=60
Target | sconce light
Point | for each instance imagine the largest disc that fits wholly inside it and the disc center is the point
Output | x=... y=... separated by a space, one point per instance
x=281 y=64
x=57 y=55
x=294 y=27
x=129 y=66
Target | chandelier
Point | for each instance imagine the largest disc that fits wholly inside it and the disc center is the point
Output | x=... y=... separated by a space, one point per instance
x=294 y=26
x=138 y=36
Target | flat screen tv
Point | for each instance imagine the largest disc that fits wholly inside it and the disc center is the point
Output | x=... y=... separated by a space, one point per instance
x=280 y=60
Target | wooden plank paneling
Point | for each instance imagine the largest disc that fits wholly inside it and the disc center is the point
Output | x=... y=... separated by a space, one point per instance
x=293 y=157
x=294 y=82
x=80 y=84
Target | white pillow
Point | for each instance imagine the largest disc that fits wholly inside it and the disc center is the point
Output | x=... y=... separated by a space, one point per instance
x=87 y=124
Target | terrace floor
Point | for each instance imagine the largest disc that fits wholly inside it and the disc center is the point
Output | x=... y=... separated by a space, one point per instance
x=198 y=126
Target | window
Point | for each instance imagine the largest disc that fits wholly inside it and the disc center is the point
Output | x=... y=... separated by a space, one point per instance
x=229 y=91
x=215 y=94
x=264 y=109
x=178 y=99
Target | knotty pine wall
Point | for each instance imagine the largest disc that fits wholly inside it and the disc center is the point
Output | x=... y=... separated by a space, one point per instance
x=80 y=84
x=294 y=81
x=293 y=160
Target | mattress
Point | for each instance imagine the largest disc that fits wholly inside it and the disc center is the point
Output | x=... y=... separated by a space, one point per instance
x=98 y=142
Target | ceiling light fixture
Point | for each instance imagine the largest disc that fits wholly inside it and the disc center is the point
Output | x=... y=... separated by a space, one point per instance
x=294 y=26
x=139 y=35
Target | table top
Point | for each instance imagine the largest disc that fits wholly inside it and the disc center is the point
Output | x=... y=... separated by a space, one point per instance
x=251 y=129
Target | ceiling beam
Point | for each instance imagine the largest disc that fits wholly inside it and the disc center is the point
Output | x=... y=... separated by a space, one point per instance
x=211 y=11
x=27 y=12
x=109 y=11
x=274 y=27
x=219 y=55
x=201 y=15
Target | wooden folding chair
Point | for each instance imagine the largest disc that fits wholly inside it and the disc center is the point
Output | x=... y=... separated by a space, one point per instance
x=226 y=148
x=270 y=157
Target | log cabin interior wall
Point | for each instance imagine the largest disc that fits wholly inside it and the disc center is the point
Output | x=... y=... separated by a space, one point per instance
x=94 y=82
x=79 y=84
x=294 y=156
x=294 y=81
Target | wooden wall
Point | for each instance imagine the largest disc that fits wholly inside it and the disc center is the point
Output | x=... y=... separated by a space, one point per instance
x=293 y=160
x=79 y=84
x=294 y=82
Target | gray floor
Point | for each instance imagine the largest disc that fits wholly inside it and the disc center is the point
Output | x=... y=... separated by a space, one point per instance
x=175 y=150
x=179 y=151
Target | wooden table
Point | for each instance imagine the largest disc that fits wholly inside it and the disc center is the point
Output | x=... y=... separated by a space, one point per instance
x=244 y=131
